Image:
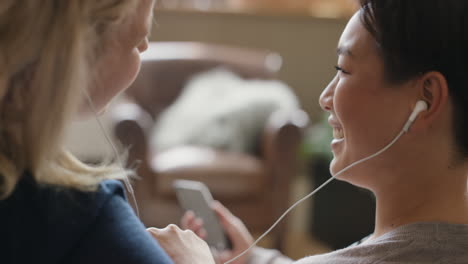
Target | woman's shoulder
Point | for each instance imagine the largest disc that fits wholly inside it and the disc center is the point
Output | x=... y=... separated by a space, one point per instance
x=55 y=223
x=62 y=201
x=424 y=232
x=418 y=242
x=52 y=206
x=53 y=197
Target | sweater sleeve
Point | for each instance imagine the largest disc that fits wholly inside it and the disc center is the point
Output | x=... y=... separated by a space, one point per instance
x=267 y=256
x=117 y=236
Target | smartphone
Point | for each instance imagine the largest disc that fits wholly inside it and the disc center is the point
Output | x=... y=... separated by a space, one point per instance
x=195 y=196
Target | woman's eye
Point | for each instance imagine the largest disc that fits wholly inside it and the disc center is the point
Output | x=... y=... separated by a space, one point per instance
x=338 y=68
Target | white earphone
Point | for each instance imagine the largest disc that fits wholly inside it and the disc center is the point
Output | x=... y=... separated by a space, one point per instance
x=420 y=106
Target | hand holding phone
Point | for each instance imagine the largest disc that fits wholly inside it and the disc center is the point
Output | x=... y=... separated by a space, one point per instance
x=195 y=196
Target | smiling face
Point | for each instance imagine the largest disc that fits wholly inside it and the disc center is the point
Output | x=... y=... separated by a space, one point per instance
x=366 y=112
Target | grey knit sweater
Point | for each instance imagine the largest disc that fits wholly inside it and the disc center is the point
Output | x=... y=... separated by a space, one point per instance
x=418 y=243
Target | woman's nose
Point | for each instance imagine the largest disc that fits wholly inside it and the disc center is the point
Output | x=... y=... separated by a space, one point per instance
x=326 y=98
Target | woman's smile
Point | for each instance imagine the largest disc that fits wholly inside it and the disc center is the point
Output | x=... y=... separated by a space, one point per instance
x=338 y=133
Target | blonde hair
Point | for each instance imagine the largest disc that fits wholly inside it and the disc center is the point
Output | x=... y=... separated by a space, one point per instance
x=48 y=52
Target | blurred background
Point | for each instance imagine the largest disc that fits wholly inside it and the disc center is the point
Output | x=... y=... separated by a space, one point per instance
x=228 y=95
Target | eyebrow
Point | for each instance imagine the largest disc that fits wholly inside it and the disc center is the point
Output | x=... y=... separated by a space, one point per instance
x=344 y=51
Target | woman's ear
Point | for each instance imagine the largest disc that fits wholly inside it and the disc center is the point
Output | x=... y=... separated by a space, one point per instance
x=433 y=89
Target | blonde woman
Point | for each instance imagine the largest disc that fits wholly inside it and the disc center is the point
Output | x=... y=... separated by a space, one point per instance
x=59 y=59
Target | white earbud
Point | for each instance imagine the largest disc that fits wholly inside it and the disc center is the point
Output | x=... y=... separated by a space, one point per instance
x=420 y=106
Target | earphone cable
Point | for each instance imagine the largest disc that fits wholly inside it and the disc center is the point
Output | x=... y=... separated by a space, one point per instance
x=315 y=191
x=128 y=185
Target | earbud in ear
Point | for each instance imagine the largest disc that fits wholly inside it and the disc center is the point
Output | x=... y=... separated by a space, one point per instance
x=420 y=106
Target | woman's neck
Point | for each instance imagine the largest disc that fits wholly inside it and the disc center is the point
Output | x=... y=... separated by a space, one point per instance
x=426 y=195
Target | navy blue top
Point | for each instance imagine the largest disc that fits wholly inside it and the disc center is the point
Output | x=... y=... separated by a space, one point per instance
x=45 y=224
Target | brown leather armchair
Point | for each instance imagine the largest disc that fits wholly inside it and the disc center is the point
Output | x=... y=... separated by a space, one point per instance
x=255 y=188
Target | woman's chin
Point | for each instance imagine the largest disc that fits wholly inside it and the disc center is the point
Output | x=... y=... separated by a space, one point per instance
x=354 y=176
x=336 y=166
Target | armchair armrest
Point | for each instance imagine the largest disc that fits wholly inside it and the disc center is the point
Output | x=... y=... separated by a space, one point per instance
x=131 y=125
x=280 y=144
x=281 y=138
x=229 y=175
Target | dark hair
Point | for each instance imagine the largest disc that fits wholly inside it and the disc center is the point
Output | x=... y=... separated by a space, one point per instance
x=418 y=36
